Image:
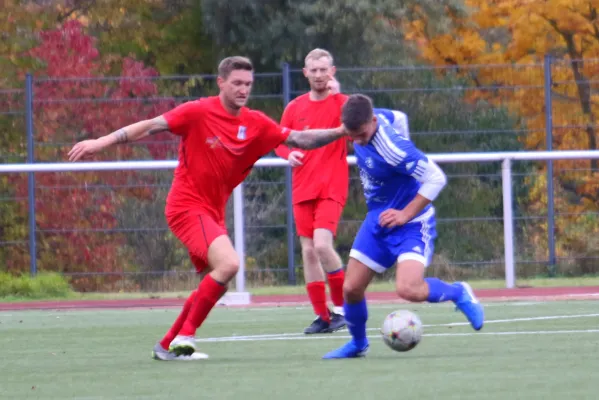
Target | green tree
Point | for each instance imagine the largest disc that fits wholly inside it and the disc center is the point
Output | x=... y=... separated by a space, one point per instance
x=358 y=32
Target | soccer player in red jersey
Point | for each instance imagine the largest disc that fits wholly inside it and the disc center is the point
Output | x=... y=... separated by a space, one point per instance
x=221 y=139
x=320 y=185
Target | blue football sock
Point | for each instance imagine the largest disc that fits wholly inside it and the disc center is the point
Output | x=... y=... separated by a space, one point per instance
x=439 y=291
x=356 y=316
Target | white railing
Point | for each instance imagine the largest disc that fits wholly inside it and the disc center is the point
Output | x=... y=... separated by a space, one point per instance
x=505 y=157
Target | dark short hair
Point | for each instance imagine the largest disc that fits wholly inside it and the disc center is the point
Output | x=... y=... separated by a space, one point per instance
x=356 y=111
x=234 y=63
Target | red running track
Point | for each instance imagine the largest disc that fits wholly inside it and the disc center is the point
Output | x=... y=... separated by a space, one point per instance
x=533 y=294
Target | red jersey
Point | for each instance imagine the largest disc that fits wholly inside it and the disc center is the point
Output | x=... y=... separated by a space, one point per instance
x=324 y=173
x=216 y=153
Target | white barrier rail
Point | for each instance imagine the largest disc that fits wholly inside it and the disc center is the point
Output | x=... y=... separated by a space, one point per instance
x=278 y=162
x=505 y=157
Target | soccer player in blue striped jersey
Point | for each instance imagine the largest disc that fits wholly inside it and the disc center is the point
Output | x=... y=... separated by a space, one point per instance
x=400 y=183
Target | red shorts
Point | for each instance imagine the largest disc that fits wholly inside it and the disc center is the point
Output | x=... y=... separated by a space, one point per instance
x=314 y=214
x=196 y=231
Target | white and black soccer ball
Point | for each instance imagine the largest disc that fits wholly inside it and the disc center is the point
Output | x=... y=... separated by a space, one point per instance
x=402 y=330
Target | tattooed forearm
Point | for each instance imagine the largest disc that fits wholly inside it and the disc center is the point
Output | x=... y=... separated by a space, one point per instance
x=313 y=138
x=138 y=130
x=154 y=131
x=121 y=136
x=159 y=124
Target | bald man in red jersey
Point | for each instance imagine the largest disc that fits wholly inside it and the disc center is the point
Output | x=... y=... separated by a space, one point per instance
x=320 y=185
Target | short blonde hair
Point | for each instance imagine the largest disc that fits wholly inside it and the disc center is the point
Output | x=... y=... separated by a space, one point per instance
x=317 y=54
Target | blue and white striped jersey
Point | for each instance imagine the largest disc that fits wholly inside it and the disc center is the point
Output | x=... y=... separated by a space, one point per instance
x=391 y=167
x=397 y=119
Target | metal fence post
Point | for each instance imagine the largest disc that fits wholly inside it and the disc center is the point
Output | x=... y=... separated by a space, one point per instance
x=549 y=145
x=30 y=175
x=291 y=279
x=508 y=223
x=239 y=228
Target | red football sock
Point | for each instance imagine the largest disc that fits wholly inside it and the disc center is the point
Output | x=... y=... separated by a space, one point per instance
x=318 y=298
x=336 y=279
x=208 y=294
x=170 y=335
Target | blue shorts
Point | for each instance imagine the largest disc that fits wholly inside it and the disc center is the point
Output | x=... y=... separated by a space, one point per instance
x=380 y=248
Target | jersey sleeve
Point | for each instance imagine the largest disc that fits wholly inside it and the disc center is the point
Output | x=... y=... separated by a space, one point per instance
x=397 y=119
x=181 y=117
x=272 y=135
x=286 y=121
x=406 y=157
x=416 y=164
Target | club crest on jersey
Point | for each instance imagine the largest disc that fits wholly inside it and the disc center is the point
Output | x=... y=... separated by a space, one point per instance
x=369 y=162
x=213 y=142
x=241 y=132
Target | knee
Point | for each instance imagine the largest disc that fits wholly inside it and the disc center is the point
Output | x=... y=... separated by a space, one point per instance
x=322 y=249
x=228 y=268
x=352 y=293
x=309 y=254
x=408 y=291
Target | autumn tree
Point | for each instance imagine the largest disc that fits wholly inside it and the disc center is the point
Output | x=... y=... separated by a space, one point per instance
x=76 y=213
x=190 y=36
x=521 y=33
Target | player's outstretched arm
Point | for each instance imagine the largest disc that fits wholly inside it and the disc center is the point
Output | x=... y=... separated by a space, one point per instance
x=129 y=133
x=314 y=138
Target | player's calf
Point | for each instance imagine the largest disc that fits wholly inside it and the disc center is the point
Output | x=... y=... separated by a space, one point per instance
x=356 y=312
x=315 y=287
x=224 y=263
x=411 y=285
x=332 y=264
x=412 y=291
x=357 y=278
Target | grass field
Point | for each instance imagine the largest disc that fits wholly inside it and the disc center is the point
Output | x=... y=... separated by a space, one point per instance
x=526 y=351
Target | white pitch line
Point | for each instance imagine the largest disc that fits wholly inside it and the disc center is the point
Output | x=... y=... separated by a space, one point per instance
x=525 y=319
x=276 y=338
x=279 y=336
x=562 y=332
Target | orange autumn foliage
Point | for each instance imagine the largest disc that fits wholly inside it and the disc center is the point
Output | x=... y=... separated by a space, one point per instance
x=500 y=46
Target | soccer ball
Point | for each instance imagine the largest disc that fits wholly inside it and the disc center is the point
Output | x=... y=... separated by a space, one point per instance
x=402 y=330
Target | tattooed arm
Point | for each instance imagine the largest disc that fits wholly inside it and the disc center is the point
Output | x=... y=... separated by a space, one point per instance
x=129 y=133
x=314 y=138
